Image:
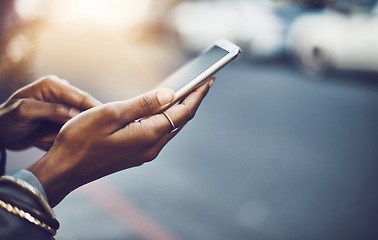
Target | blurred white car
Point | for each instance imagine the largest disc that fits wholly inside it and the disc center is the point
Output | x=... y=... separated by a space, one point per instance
x=251 y=24
x=335 y=40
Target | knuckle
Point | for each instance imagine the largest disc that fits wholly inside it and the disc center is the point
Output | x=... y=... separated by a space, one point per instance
x=20 y=105
x=19 y=109
x=45 y=83
x=48 y=79
x=51 y=82
x=85 y=96
x=51 y=78
x=150 y=136
x=58 y=109
x=151 y=154
x=146 y=105
x=190 y=113
x=111 y=111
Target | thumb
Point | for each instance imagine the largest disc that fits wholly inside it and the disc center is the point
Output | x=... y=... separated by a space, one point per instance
x=148 y=104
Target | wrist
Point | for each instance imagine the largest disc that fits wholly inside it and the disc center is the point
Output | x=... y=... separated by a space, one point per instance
x=52 y=174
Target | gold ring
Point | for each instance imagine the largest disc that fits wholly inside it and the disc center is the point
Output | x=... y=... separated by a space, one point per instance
x=174 y=128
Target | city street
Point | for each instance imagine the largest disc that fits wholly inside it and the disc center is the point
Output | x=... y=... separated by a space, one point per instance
x=272 y=154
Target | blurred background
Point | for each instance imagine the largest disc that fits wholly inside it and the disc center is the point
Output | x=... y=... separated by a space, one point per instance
x=285 y=146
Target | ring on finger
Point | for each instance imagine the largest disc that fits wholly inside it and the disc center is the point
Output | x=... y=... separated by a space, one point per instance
x=174 y=128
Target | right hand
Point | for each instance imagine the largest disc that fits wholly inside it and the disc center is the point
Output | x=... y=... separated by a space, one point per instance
x=33 y=115
x=107 y=139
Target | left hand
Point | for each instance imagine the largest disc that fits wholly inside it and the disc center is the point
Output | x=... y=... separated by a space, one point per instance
x=107 y=139
x=33 y=115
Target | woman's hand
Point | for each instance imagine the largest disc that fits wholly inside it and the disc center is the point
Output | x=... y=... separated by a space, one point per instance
x=112 y=137
x=34 y=114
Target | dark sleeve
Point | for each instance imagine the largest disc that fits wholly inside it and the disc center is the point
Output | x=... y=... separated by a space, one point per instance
x=14 y=227
x=22 y=216
x=2 y=161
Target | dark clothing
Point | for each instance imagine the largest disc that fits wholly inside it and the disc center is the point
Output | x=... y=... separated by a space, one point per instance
x=12 y=226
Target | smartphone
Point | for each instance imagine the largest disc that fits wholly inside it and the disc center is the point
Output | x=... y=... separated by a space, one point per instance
x=194 y=73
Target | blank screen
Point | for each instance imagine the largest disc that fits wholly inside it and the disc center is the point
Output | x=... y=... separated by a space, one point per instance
x=194 y=68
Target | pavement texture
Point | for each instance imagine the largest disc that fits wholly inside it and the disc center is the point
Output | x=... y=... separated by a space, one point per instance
x=271 y=154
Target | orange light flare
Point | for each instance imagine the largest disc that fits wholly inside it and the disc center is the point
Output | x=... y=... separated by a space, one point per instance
x=97 y=44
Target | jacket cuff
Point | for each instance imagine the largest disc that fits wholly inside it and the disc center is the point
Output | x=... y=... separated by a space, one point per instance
x=3 y=159
x=29 y=177
x=19 y=199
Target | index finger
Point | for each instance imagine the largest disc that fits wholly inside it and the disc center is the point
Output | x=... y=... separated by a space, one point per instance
x=55 y=90
x=63 y=91
x=181 y=113
x=150 y=130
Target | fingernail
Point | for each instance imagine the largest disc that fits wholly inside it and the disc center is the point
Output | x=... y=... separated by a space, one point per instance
x=211 y=82
x=73 y=112
x=165 y=96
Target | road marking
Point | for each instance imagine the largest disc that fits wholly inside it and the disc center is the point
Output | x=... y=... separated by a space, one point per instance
x=126 y=212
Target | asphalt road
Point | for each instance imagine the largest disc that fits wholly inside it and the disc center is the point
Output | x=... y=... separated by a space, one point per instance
x=272 y=154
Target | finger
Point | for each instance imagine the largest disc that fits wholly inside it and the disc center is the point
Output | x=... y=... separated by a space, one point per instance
x=177 y=116
x=182 y=113
x=166 y=127
x=42 y=142
x=144 y=132
x=152 y=151
x=45 y=143
x=71 y=95
x=53 y=89
x=150 y=128
x=46 y=135
x=113 y=117
x=30 y=110
x=195 y=98
x=145 y=105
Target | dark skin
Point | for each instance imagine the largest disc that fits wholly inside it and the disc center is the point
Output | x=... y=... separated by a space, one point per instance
x=99 y=141
x=33 y=115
